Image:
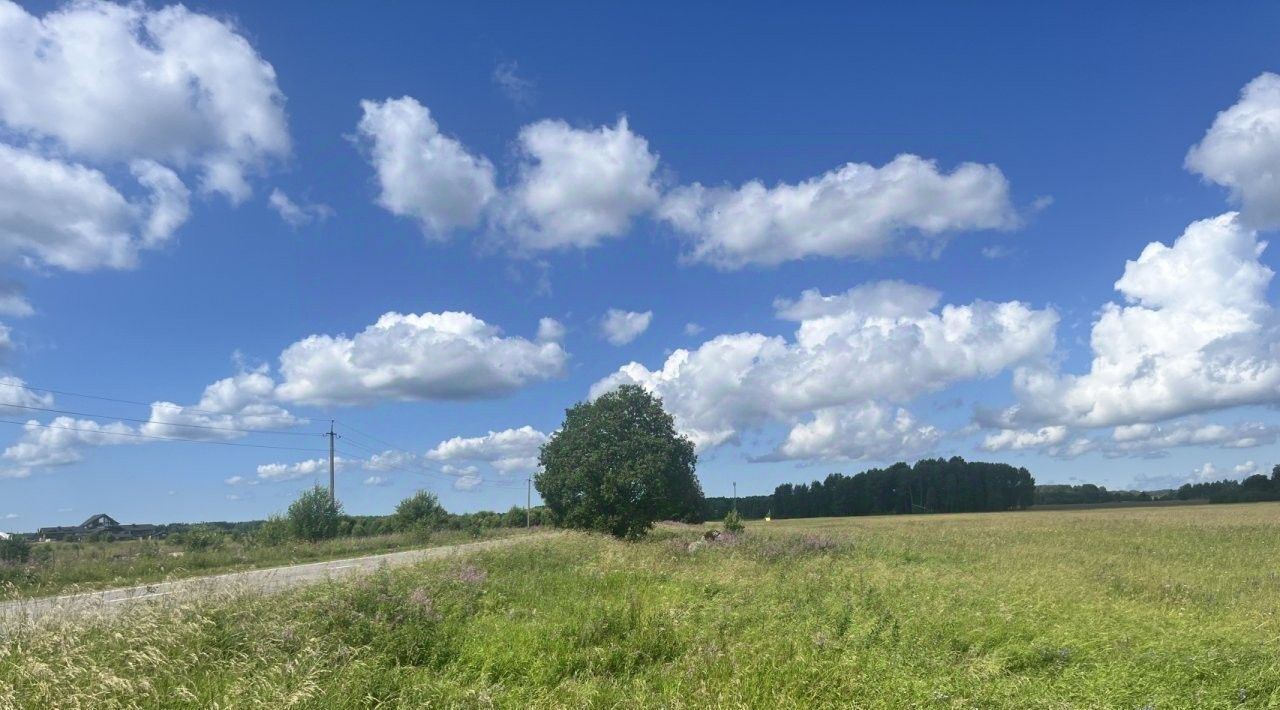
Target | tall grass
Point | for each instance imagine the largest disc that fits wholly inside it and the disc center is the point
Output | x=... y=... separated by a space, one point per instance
x=1135 y=608
x=68 y=567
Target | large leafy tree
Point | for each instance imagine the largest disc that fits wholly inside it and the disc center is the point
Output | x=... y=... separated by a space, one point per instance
x=617 y=465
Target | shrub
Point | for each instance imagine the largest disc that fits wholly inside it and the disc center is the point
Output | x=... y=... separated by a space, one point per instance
x=313 y=516
x=733 y=522
x=15 y=550
x=420 y=512
x=201 y=538
x=274 y=531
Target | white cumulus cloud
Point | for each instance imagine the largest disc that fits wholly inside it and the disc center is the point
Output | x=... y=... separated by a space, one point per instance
x=621 y=327
x=577 y=186
x=508 y=451
x=857 y=210
x=69 y=216
x=112 y=82
x=447 y=355
x=864 y=431
x=1241 y=151
x=1197 y=334
x=422 y=173
x=877 y=344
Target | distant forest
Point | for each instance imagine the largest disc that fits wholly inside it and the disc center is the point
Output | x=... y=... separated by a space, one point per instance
x=957 y=486
x=930 y=486
x=1254 y=488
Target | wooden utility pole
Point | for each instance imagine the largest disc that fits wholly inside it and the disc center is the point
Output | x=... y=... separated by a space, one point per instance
x=528 y=503
x=332 y=498
x=735 y=495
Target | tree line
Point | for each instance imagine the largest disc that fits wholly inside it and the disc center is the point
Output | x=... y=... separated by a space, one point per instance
x=1257 y=487
x=930 y=486
x=1088 y=493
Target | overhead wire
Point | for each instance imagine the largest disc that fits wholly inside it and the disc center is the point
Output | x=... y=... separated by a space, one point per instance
x=135 y=435
x=151 y=421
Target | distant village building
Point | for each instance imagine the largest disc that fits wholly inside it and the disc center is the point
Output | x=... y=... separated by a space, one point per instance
x=100 y=525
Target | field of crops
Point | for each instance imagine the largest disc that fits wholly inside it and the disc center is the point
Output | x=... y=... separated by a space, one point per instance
x=1127 y=608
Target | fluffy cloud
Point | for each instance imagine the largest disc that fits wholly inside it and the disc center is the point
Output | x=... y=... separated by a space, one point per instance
x=578 y=187
x=466 y=478
x=857 y=210
x=1197 y=335
x=377 y=481
x=1019 y=439
x=508 y=451
x=447 y=355
x=879 y=343
x=58 y=443
x=1147 y=440
x=183 y=89
x=1246 y=469
x=237 y=402
x=276 y=472
x=243 y=401
x=390 y=460
x=621 y=327
x=16 y=398
x=1241 y=151
x=550 y=330
x=69 y=216
x=296 y=215
x=423 y=173
x=865 y=431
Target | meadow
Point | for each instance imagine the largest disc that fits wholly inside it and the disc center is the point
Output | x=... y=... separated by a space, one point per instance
x=1128 y=608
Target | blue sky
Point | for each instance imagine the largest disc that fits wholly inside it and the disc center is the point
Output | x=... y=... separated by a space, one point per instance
x=958 y=191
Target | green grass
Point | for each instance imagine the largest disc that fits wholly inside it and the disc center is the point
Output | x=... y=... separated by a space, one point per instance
x=1128 y=608
x=68 y=567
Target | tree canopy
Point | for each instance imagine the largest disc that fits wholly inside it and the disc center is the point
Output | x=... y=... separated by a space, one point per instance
x=617 y=465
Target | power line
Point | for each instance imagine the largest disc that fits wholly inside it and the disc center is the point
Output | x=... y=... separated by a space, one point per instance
x=372 y=437
x=151 y=421
x=67 y=393
x=423 y=470
x=161 y=438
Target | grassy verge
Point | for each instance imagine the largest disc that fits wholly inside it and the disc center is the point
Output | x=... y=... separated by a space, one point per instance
x=69 y=567
x=1130 y=608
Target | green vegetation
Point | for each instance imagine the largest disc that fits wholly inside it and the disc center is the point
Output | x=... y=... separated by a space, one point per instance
x=67 y=567
x=617 y=466
x=313 y=529
x=733 y=522
x=1257 y=487
x=1090 y=494
x=14 y=550
x=930 y=486
x=421 y=513
x=1128 y=608
x=313 y=516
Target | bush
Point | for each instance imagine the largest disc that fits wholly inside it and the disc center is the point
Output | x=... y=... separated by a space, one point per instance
x=313 y=516
x=273 y=531
x=420 y=512
x=200 y=538
x=733 y=522
x=15 y=550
